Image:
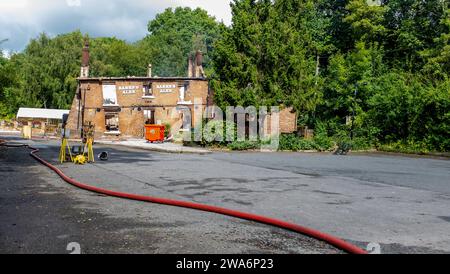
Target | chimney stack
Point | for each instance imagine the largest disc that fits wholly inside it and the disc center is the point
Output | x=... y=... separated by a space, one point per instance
x=149 y=70
x=199 y=58
x=85 y=60
x=190 y=70
x=199 y=72
x=195 y=65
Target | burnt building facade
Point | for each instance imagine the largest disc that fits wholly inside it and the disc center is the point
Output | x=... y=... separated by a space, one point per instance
x=121 y=106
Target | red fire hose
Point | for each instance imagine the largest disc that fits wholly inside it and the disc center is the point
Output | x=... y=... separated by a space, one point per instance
x=339 y=243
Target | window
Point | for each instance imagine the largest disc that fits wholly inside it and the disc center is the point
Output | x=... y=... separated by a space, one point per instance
x=112 y=122
x=148 y=91
x=109 y=95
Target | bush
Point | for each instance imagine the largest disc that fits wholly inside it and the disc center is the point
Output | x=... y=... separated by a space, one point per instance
x=243 y=145
x=167 y=128
x=405 y=147
x=214 y=132
x=321 y=139
x=295 y=143
x=361 y=143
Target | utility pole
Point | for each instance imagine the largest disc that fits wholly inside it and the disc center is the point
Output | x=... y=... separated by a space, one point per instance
x=355 y=96
x=353 y=112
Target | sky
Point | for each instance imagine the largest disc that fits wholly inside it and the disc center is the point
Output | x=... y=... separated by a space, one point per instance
x=22 y=20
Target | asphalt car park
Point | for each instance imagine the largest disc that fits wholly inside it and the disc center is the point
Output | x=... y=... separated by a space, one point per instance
x=399 y=203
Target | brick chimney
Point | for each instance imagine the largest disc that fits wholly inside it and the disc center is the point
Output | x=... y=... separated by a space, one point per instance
x=195 y=65
x=85 y=60
x=199 y=64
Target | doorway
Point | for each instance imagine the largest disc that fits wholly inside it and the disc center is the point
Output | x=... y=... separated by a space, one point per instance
x=149 y=116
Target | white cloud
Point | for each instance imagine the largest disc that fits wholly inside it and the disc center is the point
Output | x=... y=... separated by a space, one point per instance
x=6 y=5
x=21 y=20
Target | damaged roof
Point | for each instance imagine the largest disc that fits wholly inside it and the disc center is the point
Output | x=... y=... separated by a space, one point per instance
x=141 y=78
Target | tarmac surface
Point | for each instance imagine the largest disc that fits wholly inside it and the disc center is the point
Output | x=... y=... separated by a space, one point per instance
x=400 y=203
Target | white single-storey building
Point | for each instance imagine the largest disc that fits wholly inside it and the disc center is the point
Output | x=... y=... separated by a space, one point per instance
x=41 y=120
x=51 y=116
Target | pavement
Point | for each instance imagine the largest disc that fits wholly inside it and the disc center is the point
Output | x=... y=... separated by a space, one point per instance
x=400 y=203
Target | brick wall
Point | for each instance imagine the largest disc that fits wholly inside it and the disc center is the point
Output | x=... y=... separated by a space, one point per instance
x=131 y=104
x=288 y=120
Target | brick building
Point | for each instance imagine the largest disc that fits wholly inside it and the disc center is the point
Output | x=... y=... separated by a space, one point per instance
x=121 y=106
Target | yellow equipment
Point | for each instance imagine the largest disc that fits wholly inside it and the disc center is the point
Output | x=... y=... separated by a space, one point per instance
x=88 y=140
x=62 y=151
x=79 y=159
x=89 y=150
x=87 y=155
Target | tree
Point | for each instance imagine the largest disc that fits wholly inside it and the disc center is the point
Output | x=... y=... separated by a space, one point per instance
x=413 y=26
x=438 y=56
x=115 y=57
x=269 y=55
x=10 y=82
x=387 y=65
x=366 y=20
x=49 y=68
x=174 y=35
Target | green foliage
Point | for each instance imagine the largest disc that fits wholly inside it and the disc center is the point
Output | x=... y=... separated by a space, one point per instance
x=243 y=145
x=380 y=72
x=167 y=128
x=294 y=143
x=175 y=34
x=44 y=75
x=406 y=108
x=321 y=139
x=409 y=146
x=269 y=56
x=8 y=87
x=214 y=132
x=413 y=27
x=366 y=21
x=114 y=57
